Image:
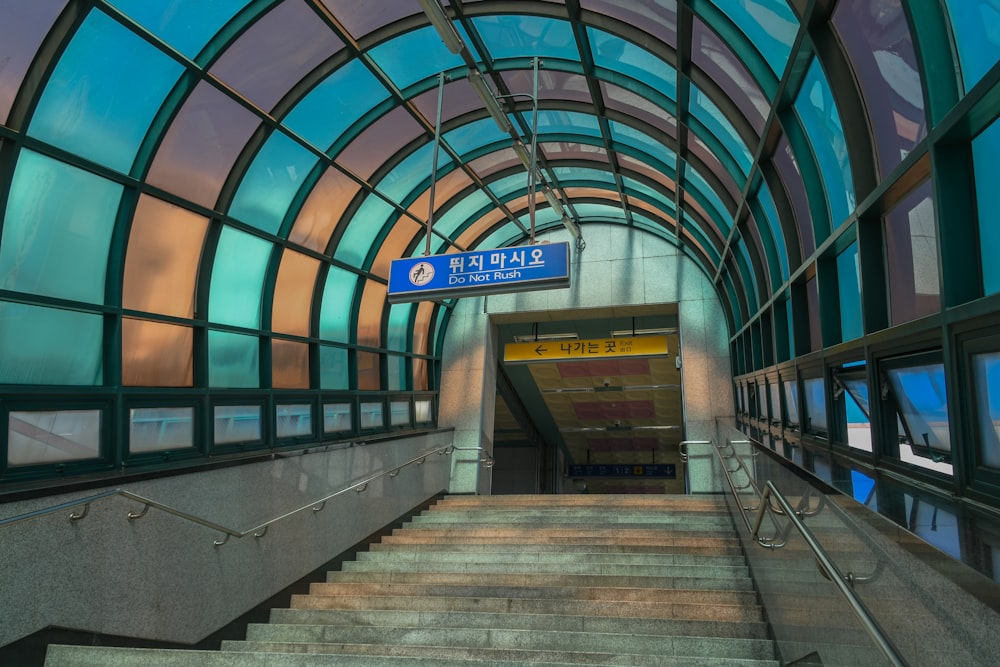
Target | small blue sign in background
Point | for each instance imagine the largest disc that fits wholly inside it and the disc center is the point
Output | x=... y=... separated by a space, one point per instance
x=500 y=270
x=662 y=470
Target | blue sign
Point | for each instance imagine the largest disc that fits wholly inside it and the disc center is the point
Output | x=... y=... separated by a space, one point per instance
x=661 y=470
x=517 y=269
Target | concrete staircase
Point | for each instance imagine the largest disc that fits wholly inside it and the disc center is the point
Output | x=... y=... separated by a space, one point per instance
x=515 y=580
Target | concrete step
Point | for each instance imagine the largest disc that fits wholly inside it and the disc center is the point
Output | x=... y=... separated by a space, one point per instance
x=482 y=545
x=562 y=622
x=514 y=580
x=719 y=610
x=707 y=570
x=622 y=533
x=717 y=502
x=539 y=640
x=596 y=514
x=505 y=556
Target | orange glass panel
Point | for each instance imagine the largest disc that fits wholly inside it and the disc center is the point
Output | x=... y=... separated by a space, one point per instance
x=493 y=162
x=370 y=317
x=293 y=294
x=481 y=226
x=394 y=246
x=155 y=354
x=447 y=187
x=420 y=381
x=322 y=210
x=368 y=372
x=289 y=365
x=161 y=264
x=628 y=162
x=422 y=325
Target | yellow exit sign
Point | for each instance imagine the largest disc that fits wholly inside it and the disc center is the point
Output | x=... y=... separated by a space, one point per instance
x=598 y=348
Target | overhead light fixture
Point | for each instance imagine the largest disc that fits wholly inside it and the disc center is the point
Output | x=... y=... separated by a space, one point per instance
x=525 y=156
x=532 y=338
x=553 y=201
x=445 y=28
x=642 y=332
x=489 y=100
x=571 y=226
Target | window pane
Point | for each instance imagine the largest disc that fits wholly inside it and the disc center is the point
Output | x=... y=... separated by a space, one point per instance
x=399 y=329
x=421 y=381
x=291 y=310
x=57 y=230
x=791 y=403
x=362 y=230
x=371 y=415
x=618 y=55
x=201 y=145
x=24 y=27
x=337 y=417
x=158 y=429
x=48 y=346
x=859 y=430
x=187 y=25
x=238 y=278
x=818 y=112
x=155 y=354
x=233 y=360
x=333 y=368
x=705 y=110
x=911 y=250
x=294 y=420
x=338 y=300
x=878 y=43
x=290 y=364
x=775 y=393
x=849 y=285
x=717 y=60
x=379 y=142
x=815 y=406
x=423 y=411
x=370 y=316
x=770 y=25
x=986 y=161
x=396 y=370
x=399 y=413
x=237 y=423
x=322 y=210
x=53 y=436
x=812 y=298
x=369 y=372
x=115 y=83
x=396 y=58
x=923 y=406
x=791 y=177
x=161 y=264
x=986 y=370
x=518 y=36
x=976 y=37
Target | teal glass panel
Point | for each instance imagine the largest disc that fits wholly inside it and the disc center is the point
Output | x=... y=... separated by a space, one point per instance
x=460 y=213
x=396 y=370
x=567 y=175
x=654 y=227
x=849 y=285
x=361 y=231
x=817 y=110
x=238 y=279
x=791 y=403
x=323 y=115
x=271 y=183
x=720 y=214
x=770 y=24
x=475 y=135
x=333 y=370
x=186 y=25
x=600 y=212
x=397 y=59
x=771 y=213
x=57 y=230
x=746 y=272
x=515 y=183
x=104 y=93
x=712 y=118
x=629 y=136
x=976 y=26
x=233 y=360
x=338 y=301
x=986 y=160
x=513 y=36
x=399 y=335
x=501 y=237
x=664 y=201
x=815 y=396
x=734 y=303
x=567 y=122
x=48 y=346
x=619 y=55
x=399 y=184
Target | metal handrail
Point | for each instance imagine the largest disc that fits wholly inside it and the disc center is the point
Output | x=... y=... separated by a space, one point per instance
x=487 y=460
x=826 y=565
x=257 y=531
x=682 y=447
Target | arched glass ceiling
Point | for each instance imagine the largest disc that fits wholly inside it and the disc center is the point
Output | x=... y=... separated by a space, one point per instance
x=225 y=182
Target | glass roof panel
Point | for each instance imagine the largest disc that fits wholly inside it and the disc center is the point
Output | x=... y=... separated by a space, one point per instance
x=379 y=142
x=199 y=148
x=583 y=174
x=398 y=337
x=504 y=187
x=881 y=52
x=771 y=213
x=818 y=112
x=568 y=122
x=552 y=85
x=338 y=298
x=238 y=278
x=461 y=211
x=770 y=24
x=791 y=177
x=291 y=309
x=600 y=212
x=618 y=55
x=361 y=17
x=233 y=360
x=289 y=365
x=370 y=314
x=658 y=18
x=271 y=183
x=474 y=135
x=447 y=187
x=362 y=229
x=642 y=108
x=705 y=110
x=276 y=52
x=57 y=230
x=566 y=150
x=458 y=98
x=49 y=346
x=720 y=214
x=718 y=61
x=630 y=136
x=186 y=25
x=322 y=210
x=114 y=83
x=711 y=161
x=513 y=35
x=155 y=354
x=329 y=109
x=24 y=27
x=665 y=200
x=975 y=29
x=403 y=232
x=396 y=56
x=415 y=169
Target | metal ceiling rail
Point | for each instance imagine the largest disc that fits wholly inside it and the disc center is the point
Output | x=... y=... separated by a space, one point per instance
x=257 y=531
x=823 y=560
